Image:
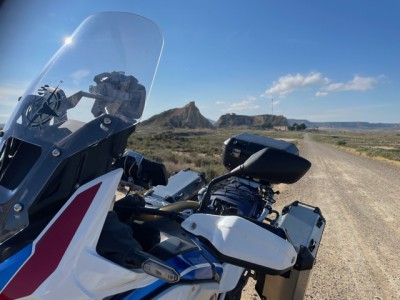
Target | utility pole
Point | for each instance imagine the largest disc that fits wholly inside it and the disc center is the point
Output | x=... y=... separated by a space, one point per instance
x=272 y=105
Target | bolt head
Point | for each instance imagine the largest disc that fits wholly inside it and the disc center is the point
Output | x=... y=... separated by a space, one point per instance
x=56 y=152
x=18 y=207
x=107 y=121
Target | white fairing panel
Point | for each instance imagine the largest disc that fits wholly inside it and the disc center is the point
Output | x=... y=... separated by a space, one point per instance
x=82 y=273
x=243 y=240
x=195 y=291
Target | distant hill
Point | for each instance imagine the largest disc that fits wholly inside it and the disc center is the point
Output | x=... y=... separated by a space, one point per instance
x=260 y=121
x=348 y=125
x=188 y=116
x=211 y=121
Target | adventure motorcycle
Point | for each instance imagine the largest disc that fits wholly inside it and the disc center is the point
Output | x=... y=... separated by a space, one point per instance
x=62 y=159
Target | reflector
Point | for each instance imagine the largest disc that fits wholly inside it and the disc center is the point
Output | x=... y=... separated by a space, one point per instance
x=160 y=270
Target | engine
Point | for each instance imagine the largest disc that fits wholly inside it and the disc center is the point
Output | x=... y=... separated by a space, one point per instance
x=238 y=196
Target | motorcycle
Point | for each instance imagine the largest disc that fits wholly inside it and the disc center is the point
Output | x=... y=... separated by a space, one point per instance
x=64 y=235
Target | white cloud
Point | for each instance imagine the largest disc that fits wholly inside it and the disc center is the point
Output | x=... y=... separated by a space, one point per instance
x=10 y=93
x=290 y=83
x=358 y=83
x=244 y=105
x=276 y=102
x=219 y=102
x=321 y=94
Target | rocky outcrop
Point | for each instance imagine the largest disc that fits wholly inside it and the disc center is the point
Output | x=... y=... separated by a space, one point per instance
x=188 y=116
x=260 y=121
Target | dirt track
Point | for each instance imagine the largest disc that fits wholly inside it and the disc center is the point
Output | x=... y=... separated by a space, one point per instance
x=359 y=257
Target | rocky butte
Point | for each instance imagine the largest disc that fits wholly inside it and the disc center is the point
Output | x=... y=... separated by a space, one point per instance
x=188 y=116
x=260 y=121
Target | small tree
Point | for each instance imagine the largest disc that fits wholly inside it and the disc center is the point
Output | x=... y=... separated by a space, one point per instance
x=302 y=126
x=297 y=127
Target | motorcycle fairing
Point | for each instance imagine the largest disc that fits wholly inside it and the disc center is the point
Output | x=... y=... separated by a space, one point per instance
x=194 y=291
x=9 y=267
x=50 y=247
x=64 y=258
x=67 y=174
x=194 y=267
x=243 y=243
x=161 y=290
x=188 y=257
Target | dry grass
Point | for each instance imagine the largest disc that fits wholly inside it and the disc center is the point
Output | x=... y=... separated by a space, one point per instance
x=196 y=149
x=201 y=149
x=384 y=145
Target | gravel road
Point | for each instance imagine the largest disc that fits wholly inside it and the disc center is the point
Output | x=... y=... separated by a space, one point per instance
x=359 y=257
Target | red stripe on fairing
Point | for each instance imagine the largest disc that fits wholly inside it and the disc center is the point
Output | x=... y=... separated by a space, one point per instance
x=51 y=248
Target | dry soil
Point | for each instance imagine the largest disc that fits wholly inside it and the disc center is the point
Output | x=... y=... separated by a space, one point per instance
x=359 y=257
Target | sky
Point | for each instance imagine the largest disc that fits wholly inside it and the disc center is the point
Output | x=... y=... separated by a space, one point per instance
x=316 y=60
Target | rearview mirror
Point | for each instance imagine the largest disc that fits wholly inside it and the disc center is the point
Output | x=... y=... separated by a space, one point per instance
x=274 y=166
x=268 y=165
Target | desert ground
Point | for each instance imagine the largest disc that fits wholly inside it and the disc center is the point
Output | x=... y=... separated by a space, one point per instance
x=359 y=255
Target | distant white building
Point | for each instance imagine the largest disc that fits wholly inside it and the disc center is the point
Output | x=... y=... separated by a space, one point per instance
x=281 y=128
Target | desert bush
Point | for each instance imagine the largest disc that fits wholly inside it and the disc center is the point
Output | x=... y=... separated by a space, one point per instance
x=213 y=171
x=374 y=144
x=198 y=150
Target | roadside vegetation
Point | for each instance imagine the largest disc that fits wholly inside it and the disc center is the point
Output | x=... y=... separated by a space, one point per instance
x=373 y=144
x=199 y=150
